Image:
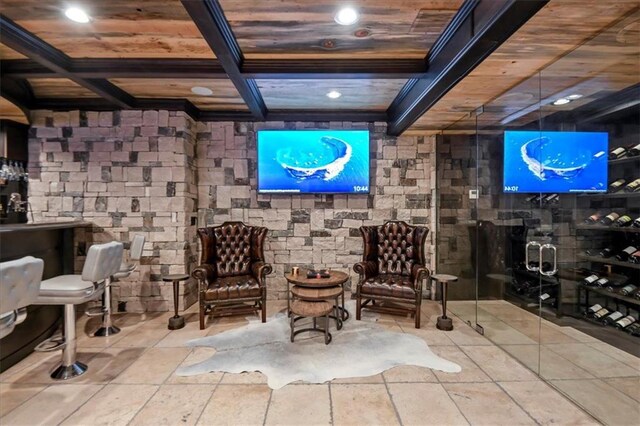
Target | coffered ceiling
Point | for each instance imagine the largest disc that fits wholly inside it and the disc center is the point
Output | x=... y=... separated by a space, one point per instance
x=278 y=59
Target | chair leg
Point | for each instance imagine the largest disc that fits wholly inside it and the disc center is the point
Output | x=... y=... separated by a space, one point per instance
x=292 y=325
x=264 y=309
x=70 y=367
x=107 y=329
x=326 y=329
x=202 y=309
x=358 y=307
x=417 y=316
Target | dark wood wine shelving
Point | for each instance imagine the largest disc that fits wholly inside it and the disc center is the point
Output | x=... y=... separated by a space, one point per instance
x=624 y=160
x=627 y=229
x=620 y=194
x=609 y=261
x=610 y=294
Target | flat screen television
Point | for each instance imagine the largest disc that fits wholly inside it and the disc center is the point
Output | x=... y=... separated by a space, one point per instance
x=555 y=162
x=313 y=161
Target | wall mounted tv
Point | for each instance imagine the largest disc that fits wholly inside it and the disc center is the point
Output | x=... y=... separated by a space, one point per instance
x=313 y=161
x=555 y=162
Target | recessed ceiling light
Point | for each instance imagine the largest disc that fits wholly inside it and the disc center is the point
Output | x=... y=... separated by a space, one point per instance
x=77 y=15
x=561 y=101
x=202 y=91
x=574 y=96
x=346 y=16
x=334 y=94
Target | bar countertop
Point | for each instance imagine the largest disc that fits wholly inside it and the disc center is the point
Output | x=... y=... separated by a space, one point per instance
x=42 y=226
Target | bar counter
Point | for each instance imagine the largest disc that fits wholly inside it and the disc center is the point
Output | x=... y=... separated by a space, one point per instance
x=54 y=243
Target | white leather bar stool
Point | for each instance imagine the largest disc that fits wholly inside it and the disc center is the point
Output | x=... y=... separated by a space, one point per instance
x=103 y=260
x=19 y=286
x=125 y=269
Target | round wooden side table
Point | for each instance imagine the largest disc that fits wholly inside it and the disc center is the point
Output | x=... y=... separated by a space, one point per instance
x=175 y=322
x=335 y=279
x=444 y=323
x=321 y=295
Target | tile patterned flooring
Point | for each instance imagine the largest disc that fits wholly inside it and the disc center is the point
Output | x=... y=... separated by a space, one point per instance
x=602 y=379
x=131 y=380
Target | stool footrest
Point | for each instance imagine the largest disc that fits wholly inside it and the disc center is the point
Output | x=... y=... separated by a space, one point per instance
x=51 y=344
x=94 y=311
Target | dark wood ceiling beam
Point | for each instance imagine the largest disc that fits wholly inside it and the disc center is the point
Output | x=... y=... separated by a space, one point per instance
x=477 y=29
x=18 y=92
x=26 y=43
x=330 y=115
x=214 y=27
x=333 y=68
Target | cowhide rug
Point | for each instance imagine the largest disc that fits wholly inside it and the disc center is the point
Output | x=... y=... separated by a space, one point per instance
x=360 y=348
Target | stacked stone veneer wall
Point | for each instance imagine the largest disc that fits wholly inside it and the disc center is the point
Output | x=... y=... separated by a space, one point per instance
x=161 y=174
x=313 y=230
x=126 y=172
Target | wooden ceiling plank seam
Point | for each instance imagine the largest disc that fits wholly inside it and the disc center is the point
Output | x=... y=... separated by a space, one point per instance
x=214 y=27
x=26 y=43
x=465 y=49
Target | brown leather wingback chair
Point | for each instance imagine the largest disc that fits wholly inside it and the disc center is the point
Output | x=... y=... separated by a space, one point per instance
x=233 y=270
x=393 y=267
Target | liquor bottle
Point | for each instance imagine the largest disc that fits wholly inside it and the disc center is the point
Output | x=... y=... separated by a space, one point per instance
x=596 y=217
x=617 y=185
x=606 y=252
x=636 y=223
x=624 y=220
x=612 y=318
x=601 y=313
x=625 y=254
x=625 y=322
x=609 y=219
x=590 y=280
x=634 y=186
x=593 y=309
x=628 y=290
x=634 y=150
x=616 y=153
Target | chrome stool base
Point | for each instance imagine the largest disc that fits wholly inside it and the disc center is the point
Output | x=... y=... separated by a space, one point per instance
x=65 y=372
x=106 y=331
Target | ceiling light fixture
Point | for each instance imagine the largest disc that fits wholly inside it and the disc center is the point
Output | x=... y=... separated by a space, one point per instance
x=77 y=15
x=346 y=16
x=202 y=91
x=334 y=94
x=574 y=96
x=561 y=101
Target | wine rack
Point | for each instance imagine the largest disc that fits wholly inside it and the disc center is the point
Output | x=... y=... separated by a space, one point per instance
x=609 y=261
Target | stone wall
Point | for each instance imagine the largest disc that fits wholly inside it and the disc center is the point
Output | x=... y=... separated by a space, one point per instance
x=126 y=172
x=161 y=174
x=318 y=231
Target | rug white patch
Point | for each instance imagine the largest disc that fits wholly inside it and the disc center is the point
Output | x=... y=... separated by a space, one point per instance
x=361 y=348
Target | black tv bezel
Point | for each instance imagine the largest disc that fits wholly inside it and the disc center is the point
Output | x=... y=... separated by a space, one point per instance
x=309 y=193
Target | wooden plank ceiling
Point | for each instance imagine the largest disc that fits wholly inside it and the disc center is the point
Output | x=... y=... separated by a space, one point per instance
x=571 y=46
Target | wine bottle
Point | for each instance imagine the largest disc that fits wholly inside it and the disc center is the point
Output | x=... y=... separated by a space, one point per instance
x=633 y=329
x=602 y=282
x=636 y=223
x=609 y=219
x=618 y=152
x=633 y=150
x=593 y=309
x=614 y=286
x=625 y=322
x=628 y=289
x=612 y=318
x=590 y=280
x=635 y=257
x=617 y=185
x=624 y=220
x=601 y=313
x=547 y=298
x=596 y=217
x=551 y=199
x=634 y=186
x=607 y=252
x=625 y=254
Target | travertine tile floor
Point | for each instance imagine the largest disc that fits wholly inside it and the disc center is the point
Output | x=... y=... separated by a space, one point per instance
x=131 y=380
x=600 y=378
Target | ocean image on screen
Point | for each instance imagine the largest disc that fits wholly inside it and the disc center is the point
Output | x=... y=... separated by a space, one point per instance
x=313 y=161
x=555 y=162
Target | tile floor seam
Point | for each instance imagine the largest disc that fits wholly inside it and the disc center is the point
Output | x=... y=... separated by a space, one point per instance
x=518 y=404
x=330 y=404
x=215 y=388
x=82 y=405
x=143 y=405
x=393 y=404
x=266 y=411
x=580 y=367
x=455 y=403
x=23 y=402
x=177 y=366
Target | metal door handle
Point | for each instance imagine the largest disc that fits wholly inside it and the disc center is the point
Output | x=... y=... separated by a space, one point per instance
x=526 y=256
x=553 y=271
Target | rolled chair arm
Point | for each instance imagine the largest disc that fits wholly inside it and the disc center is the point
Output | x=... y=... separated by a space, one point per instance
x=418 y=274
x=260 y=270
x=205 y=274
x=366 y=269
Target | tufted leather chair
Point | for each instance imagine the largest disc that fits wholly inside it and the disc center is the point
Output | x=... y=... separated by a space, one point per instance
x=393 y=267
x=233 y=269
